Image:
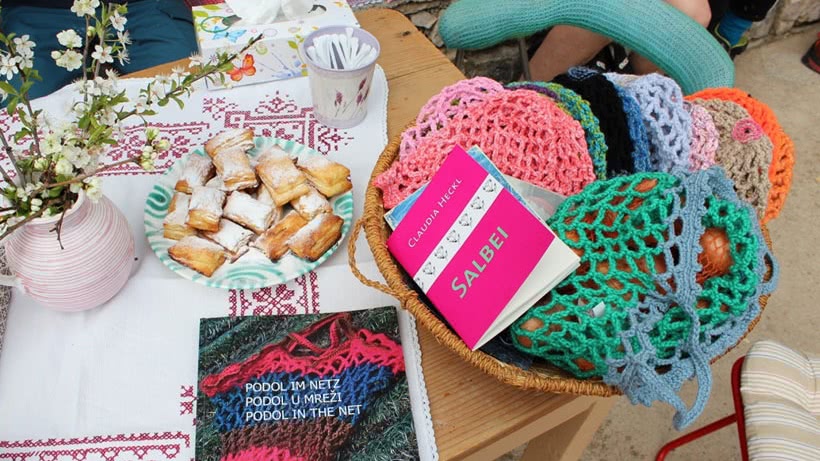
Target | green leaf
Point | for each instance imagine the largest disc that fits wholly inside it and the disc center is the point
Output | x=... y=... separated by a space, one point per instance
x=210 y=7
x=293 y=44
x=6 y=86
x=12 y=105
x=55 y=192
x=162 y=102
x=199 y=14
x=179 y=102
x=23 y=132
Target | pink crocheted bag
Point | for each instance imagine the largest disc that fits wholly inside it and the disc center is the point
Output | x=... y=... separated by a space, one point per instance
x=444 y=106
x=705 y=136
x=525 y=135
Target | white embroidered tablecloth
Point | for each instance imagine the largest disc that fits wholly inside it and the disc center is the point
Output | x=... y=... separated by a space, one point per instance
x=118 y=382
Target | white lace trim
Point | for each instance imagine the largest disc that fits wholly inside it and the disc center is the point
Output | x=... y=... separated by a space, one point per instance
x=419 y=400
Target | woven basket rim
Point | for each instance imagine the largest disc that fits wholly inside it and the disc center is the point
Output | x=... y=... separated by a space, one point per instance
x=376 y=233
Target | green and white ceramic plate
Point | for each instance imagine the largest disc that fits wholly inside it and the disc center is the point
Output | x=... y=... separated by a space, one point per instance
x=253 y=270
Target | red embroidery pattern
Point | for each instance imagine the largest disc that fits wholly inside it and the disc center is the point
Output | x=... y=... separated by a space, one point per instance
x=279 y=117
x=120 y=447
x=299 y=296
x=187 y=399
x=184 y=138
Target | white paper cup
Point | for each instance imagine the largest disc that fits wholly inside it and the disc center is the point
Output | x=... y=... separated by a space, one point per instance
x=340 y=95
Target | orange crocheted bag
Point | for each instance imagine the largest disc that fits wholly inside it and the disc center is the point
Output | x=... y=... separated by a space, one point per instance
x=780 y=170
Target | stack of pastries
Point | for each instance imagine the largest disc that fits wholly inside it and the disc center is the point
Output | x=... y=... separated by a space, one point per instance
x=225 y=205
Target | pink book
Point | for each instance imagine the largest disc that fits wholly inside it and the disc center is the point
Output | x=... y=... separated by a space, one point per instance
x=481 y=256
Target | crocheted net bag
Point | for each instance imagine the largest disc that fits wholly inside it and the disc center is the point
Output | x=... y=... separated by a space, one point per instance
x=744 y=151
x=649 y=308
x=668 y=123
x=525 y=135
x=607 y=106
x=579 y=109
x=704 y=136
x=364 y=363
x=782 y=163
x=539 y=375
x=444 y=106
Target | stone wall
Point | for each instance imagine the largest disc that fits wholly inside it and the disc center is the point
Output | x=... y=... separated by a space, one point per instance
x=502 y=62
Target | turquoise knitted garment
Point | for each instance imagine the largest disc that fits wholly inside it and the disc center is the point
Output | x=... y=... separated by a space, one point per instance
x=579 y=109
x=668 y=123
x=641 y=310
x=680 y=46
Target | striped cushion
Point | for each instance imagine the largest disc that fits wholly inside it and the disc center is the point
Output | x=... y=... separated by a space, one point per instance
x=781 y=400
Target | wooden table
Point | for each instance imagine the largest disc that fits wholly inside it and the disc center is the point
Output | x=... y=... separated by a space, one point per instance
x=475 y=417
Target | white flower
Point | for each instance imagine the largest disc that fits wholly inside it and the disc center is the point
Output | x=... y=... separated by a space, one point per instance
x=196 y=60
x=40 y=164
x=23 y=46
x=3 y=95
x=93 y=188
x=157 y=90
x=64 y=167
x=102 y=54
x=51 y=143
x=69 y=39
x=75 y=187
x=124 y=38
x=21 y=193
x=47 y=213
x=142 y=104
x=79 y=108
x=151 y=133
x=78 y=156
x=112 y=75
x=122 y=56
x=36 y=204
x=108 y=117
x=84 y=7
x=70 y=59
x=162 y=145
x=178 y=73
x=118 y=21
x=8 y=66
x=107 y=87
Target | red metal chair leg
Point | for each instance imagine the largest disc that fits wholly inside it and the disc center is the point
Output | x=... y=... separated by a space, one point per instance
x=719 y=424
x=683 y=440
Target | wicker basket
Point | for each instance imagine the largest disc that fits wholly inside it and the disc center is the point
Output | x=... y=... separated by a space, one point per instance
x=540 y=376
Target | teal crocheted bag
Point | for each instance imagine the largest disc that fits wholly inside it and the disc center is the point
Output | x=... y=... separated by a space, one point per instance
x=648 y=308
x=667 y=37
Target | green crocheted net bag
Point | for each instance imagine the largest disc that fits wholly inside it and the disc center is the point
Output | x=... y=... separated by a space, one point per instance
x=620 y=227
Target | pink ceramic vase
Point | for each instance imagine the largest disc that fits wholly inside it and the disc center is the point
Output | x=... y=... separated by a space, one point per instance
x=93 y=265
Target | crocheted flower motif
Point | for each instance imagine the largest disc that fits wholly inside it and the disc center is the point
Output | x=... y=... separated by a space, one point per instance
x=746 y=162
x=525 y=135
x=358 y=363
x=608 y=108
x=442 y=107
x=578 y=109
x=704 y=138
x=648 y=308
x=746 y=130
x=782 y=164
x=668 y=123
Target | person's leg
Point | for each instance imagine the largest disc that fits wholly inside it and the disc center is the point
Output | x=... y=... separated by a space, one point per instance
x=567 y=46
x=698 y=10
x=740 y=16
x=161 y=31
x=42 y=26
x=564 y=47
